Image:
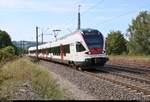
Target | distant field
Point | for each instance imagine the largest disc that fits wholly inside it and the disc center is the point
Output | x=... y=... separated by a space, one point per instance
x=130 y=60
x=22 y=76
x=131 y=57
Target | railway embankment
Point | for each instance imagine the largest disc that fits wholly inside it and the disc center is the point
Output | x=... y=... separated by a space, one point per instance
x=97 y=88
x=131 y=61
x=23 y=80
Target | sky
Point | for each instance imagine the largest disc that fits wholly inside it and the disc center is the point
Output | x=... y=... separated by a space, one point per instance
x=20 y=17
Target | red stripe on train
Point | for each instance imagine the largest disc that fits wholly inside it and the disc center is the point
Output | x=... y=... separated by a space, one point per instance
x=96 y=50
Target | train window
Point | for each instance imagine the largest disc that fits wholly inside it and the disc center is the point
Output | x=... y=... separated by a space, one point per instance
x=33 y=51
x=50 y=50
x=46 y=51
x=43 y=51
x=58 y=50
x=93 y=39
x=79 y=47
x=67 y=48
x=55 y=50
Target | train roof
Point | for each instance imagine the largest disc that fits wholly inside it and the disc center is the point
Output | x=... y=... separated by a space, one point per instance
x=88 y=29
x=49 y=43
x=81 y=31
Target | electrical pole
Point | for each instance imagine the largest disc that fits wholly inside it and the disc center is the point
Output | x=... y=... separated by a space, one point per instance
x=23 y=47
x=20 y=46
x=56 y=32
x=42 y=34
x=42 y=37
x=37 y=42
x=79 y=22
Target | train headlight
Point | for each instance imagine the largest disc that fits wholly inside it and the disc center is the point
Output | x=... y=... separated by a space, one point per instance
x=88 y=52
x=103 y=51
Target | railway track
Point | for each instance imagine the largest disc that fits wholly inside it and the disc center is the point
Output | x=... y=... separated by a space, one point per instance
x=127 y=81
x=129 y=86
x=130 y=80
x=143 y=71
x=131 y=76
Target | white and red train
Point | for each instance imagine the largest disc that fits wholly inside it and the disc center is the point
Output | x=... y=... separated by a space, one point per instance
x=81 y=48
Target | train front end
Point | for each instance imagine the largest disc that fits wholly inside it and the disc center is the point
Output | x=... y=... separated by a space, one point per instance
x=95 y=43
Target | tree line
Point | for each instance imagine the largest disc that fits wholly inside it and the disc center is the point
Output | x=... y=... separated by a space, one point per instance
x=138 y=34
x=7 y=50
x=5 y=41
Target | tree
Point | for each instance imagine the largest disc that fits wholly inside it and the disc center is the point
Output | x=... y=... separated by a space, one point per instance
x=9 y=49
x=115 y=43
x=139 y=34
x=5 y=39
x=6 y=54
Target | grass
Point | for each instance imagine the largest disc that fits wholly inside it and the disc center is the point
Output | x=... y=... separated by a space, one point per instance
x=22 y=70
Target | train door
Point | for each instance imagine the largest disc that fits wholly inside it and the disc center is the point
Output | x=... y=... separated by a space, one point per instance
x=62 y=52
x=72 y=51
x=77 y=51
x=46 y=53
x=42 y=51
x=80 y=51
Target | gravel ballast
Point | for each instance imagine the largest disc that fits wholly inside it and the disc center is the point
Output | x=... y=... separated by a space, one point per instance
x=83 y=86
x=72 y=92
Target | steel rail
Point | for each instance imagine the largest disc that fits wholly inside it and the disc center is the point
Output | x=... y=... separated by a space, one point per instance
x=133 y=87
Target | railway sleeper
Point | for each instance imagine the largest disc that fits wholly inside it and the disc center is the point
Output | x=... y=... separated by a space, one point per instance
x=130 y=77
x=133 y=87
x=147 y=97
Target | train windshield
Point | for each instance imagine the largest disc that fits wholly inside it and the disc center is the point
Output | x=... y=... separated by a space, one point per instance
x=93 y=38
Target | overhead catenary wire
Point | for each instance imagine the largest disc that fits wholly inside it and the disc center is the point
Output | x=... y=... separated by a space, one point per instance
x=81 y=2
x=122 y=15
x=72 y=19
x=105 y=21
x=98 y=3
x=113 y=18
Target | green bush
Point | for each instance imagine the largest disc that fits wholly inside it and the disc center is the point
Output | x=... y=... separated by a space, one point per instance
x=7 y=54
x=5 y=39
x=115 y=43
x=9 y=49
